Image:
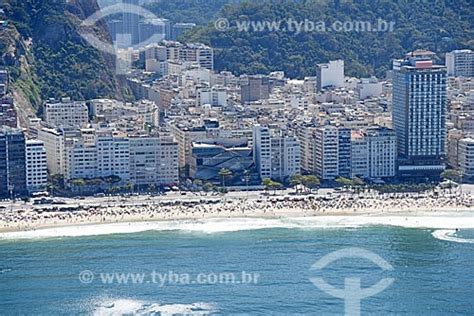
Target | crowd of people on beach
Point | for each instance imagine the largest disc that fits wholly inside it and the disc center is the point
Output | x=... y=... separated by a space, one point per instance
x=32 y=217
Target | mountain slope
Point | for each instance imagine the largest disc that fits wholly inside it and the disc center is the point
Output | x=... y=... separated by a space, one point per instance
x=432 y=24
x=48 y=58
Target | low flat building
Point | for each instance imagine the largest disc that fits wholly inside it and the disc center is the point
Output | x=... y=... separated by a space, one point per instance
x=209 y=159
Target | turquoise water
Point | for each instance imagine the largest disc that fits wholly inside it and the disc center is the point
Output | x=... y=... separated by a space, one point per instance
x=432 y=276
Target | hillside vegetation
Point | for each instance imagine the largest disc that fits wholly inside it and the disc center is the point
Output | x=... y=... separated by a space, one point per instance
x=436 y=25
x=47 y=57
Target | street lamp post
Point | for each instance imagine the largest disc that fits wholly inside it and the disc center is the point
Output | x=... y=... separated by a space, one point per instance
x=247 y=180
x=11 y=188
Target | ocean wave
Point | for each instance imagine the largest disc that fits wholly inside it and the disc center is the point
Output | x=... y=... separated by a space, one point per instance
x=137 y=307
x=212 y=226
x=450 y=235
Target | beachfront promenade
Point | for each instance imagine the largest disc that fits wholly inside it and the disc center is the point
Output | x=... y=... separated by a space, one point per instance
x=20 y=216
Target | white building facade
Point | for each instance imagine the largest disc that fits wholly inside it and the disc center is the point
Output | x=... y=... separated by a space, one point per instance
x=460 y=63
x=382 y=150
x=36 y=166
x=66 y=114
x=466 y=158
x=276 y=155
x=154 y=161
x=330 y=75
x=54 y=144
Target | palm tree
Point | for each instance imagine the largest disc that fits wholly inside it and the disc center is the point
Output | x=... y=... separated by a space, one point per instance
x=247 y=177
x=224 y=174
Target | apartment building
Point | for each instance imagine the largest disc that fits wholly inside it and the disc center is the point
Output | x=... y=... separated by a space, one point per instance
x=466 y=158
x=330 y=75
x=153 y=161
x=55 y=145
x=382 y=150
x=113 y=157
x=460 y=63
x=254 y=88
x=215 y=96
x=66 y=114
x=36 y=165
x=12 y=163
x=419 y=114
x=276 y=154
x=332 y=152
x=374 y=153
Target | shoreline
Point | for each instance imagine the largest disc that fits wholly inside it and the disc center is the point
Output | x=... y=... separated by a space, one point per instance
x=360 y=208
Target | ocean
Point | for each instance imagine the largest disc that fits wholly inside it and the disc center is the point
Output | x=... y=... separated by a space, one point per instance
x=242 y=266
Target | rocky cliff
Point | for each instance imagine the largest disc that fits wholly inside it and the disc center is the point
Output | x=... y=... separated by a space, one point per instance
x=46 y=56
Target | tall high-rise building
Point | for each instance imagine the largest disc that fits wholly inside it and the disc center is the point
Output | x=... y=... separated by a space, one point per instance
x=12 y=163
x=466 y=158
x=460 y=63
x=198 y=52
x=36 y=166
x=131 y=20
x=154 y=161
x=153 y=30
x=332 y=152
x=254 y=88
x=419 y=114
x=276 y=155
x=262 y=151
x=382 y=152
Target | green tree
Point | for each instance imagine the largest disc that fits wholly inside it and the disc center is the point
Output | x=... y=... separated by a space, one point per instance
x=276 y=186
x=452 y=175
x=267 y=183
x=311 y=181
x=296 y=181
x=344 y=182
x=129 y=187
x=208 y=187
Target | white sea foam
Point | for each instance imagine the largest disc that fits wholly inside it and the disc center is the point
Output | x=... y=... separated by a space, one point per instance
x=210 y=226
x=450 y=235
x=137 y=307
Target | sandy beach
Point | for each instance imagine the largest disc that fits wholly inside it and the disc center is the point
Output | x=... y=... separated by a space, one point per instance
x=33 y=217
